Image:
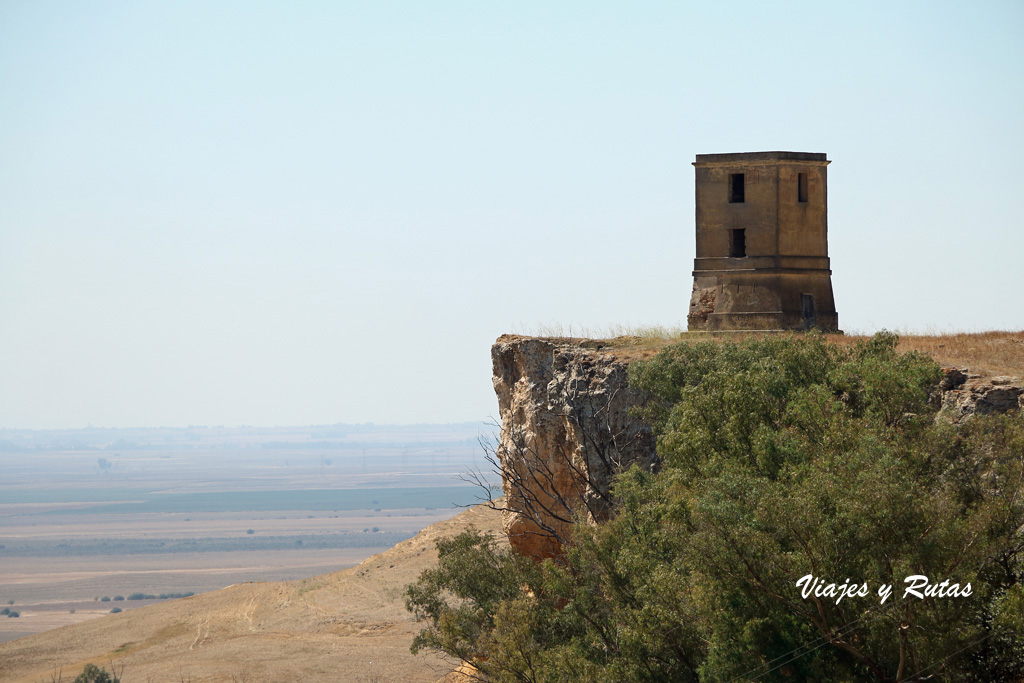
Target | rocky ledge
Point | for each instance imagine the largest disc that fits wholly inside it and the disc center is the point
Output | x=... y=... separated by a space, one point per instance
x=965 y=394
x=566 y=430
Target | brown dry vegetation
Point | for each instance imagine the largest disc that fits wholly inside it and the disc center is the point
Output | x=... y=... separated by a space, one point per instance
x=983 y=353
x=347 y=626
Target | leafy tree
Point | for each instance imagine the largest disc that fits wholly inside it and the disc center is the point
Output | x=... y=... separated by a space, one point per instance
x=462 y=595
x=781 y=458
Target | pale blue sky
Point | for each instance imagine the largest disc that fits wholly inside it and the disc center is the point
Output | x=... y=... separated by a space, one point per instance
x=308 y=212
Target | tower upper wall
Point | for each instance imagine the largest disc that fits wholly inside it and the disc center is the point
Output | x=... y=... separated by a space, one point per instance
x=780 y=213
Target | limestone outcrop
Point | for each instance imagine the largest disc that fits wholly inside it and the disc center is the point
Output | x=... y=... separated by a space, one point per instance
x=964 y=394
x=565 y=432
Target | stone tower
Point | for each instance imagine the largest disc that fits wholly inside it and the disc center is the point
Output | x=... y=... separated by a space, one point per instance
x=762 y=243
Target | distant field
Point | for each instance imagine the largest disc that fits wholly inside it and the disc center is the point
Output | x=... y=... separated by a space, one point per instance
x=71 y=590
x=54 y=568
x=147 y=502
x=154 y=546
x=88 y=514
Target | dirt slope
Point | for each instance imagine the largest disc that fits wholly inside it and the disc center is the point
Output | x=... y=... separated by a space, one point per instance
x=347 y=626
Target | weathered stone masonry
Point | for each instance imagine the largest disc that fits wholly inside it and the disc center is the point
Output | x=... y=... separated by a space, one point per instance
x=762 y=243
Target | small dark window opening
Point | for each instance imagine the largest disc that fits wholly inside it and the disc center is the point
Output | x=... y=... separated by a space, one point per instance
x=801 y=183
x=738 y=243
x=807 y=309
x=736 y=188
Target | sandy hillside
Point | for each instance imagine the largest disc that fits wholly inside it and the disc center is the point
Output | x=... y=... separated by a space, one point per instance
x=347 y=626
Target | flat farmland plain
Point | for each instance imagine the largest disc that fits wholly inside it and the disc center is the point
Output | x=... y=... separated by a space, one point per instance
x=92 y=521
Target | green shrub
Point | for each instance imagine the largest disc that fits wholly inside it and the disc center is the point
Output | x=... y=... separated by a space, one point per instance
x=781 y=457
x=93 y=674
x=166 y=596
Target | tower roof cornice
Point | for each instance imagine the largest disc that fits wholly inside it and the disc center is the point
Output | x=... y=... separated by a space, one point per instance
x=754 y=157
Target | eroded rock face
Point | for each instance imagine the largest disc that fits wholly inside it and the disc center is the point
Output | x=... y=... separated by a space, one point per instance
x=565 y=432
x=965 y=394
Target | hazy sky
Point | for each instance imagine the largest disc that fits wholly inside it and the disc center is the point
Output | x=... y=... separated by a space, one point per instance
x=303 y=212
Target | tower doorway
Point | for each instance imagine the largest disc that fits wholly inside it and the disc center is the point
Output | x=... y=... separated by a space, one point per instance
x=809 y=313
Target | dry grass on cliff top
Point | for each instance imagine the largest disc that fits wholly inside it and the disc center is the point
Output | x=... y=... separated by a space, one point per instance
x=984 y=353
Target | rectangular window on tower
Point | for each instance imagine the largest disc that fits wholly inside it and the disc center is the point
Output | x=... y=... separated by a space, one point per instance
x=801 y=183
x=738 y=243
x=736 y=189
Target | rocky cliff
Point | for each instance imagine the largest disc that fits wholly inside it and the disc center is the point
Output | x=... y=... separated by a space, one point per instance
x=566 y=429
